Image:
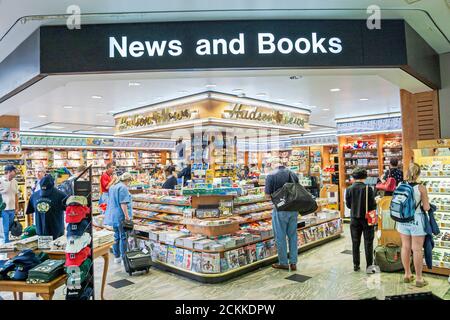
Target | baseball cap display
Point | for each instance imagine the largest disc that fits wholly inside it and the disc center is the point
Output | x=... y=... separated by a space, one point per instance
x=76 y=259
x=76 y=213
x=77 y=201
x=77 y=229
x=76 y=244
x=78 y=275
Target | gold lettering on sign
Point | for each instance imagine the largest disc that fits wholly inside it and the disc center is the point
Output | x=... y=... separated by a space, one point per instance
x=155 y=118
x=282 y=118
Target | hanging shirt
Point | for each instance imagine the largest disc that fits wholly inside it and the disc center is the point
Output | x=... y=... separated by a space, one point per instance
x=49 y=212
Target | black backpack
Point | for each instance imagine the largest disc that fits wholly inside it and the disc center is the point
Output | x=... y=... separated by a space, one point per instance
x=292 y=196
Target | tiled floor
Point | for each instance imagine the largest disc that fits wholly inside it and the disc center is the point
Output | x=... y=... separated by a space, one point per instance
x=331 y=272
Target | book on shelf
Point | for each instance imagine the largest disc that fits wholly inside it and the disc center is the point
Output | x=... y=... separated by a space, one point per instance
x=232 y=257
x=197 y=262
x=242 y=257
x=251 y=253
x=179 y=257
x=210 y=262
x=187 y=259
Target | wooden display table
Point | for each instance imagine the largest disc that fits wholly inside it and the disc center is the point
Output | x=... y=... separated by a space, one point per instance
x=46 y=290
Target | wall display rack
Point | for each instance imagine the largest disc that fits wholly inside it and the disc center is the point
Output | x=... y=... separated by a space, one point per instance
x=433 y=156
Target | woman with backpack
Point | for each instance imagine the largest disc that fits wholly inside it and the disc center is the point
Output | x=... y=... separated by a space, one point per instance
x=412 y=233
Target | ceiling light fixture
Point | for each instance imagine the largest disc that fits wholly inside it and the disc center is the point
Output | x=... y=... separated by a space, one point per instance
x=26 y=122
x=103 y=128
x=281 y=99
x=42 y=116
x=67 y=107
x=134 y=84
x=53 y=127
x=96 y=97
x=210 y=86
x=363 y=99
x=262 y=94
x=335 y=90
x=326 y=109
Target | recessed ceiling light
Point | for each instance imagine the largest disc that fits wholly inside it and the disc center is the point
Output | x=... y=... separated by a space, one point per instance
x=67 y=107
x=210 y=86
x=96 y=97
x=42 y=116
x=53 y=127
x=363 y=99
x=134 y=84
x=281 y=100
x=335 y=90
x=326 y=109
x=26 y=122
x=103 y=128
x=262 y=94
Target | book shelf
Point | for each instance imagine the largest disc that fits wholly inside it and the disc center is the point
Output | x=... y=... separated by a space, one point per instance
x=434 y=159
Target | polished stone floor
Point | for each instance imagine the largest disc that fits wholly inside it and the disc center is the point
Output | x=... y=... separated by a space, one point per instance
x=331 y=272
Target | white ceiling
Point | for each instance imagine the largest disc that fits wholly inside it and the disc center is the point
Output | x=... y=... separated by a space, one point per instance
x=19 y=18
x=44 y=102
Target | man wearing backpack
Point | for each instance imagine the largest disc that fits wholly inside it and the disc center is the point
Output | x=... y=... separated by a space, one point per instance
x=284 y=223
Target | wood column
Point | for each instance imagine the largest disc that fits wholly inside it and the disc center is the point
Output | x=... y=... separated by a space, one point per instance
x=420 y=121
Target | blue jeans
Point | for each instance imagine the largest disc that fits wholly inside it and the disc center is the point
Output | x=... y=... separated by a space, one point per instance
x=120 y=241
x=8 y=218
x=284 y=225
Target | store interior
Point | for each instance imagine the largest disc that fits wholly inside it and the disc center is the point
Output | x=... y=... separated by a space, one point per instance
x=211 y=237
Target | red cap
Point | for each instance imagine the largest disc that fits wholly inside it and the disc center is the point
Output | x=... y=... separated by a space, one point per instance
x=74 y=214
x=77 y=259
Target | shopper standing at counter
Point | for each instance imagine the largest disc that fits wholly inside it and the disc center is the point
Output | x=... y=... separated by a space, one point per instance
x=39 y=173
x=355 y=200
x=284 y=222
x=393 y=172
x=106 y=181
x=118 y=210
x=186 y=172
x=9 y=191
x=171 y=180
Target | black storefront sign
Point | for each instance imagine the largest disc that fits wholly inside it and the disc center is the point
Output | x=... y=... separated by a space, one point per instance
x=201 y=45
x=221 y=44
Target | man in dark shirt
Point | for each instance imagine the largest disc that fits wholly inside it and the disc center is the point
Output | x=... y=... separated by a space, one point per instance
x=171 y=180
x=284 y=223
x=48 y=204
x=355 y=200
x=186 y=173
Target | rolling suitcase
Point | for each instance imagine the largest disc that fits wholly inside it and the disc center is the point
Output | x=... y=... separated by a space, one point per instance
x=136 y=259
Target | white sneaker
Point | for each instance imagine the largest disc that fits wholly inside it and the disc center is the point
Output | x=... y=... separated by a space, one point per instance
x=118 y=260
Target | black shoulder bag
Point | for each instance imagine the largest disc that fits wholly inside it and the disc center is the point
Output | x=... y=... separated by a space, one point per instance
x=292 y=196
